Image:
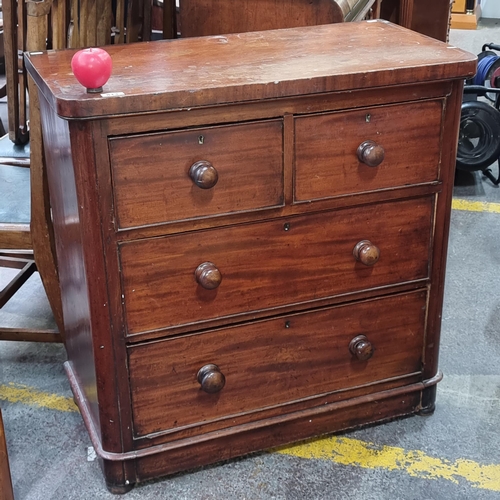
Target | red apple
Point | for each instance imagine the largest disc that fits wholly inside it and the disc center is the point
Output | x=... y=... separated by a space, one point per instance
x=92 y=68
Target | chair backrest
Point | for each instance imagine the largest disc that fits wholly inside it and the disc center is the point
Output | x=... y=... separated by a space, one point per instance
x=215 y=17
x=429 y=17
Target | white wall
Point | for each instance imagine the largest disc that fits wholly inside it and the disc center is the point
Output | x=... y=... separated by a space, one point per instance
x=490 y=8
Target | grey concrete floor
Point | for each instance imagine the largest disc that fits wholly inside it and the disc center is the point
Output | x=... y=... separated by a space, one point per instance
x=51 y=456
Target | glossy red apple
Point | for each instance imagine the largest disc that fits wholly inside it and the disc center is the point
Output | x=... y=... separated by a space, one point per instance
x=92 y=68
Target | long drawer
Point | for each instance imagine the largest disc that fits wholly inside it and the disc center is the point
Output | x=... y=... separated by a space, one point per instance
x=196 y=173
x=390 y=140
x=195 y=277
x=265 y=364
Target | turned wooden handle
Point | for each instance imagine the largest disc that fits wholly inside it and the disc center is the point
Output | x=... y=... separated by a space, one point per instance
x=366 y=252
x=203 y=174
x=211 y=378
x=361 y=347
x=370 y=153
x=208 y=276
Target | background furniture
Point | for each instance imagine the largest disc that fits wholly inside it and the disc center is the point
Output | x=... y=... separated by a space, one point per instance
x=465 y=14
x=6 y=492
x=37 y=26
x=238 y=230
x=214 y=17
x=25 y=28
x=429 y=17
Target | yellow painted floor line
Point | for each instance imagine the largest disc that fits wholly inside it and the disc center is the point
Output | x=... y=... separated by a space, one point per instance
x=475 y=206
x=347 y=451
x=16 y=393
x=341 y=450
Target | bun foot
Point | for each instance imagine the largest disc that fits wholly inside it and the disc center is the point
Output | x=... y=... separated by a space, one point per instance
x=119 y=489
x=427 y=411
x=428 y=404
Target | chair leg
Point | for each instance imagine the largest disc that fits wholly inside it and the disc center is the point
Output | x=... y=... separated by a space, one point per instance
x=405 y=13
x=5 y=479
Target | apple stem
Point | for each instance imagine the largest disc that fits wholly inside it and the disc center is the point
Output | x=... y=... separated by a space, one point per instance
x=94 y=91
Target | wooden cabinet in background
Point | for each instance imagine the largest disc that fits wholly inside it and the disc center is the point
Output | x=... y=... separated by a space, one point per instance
x=459 y=6
x=465 y=14
x=251 y=231
x=429 y=17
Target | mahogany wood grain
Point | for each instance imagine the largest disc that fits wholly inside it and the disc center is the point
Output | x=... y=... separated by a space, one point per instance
x=288 y=106
x=29 y=335
x=326 y=149
x=15 y=236
x=67 y=226
x=272 y=264
x=441 y=232
x=273 y=362
x=287 y=269
x=41 y=226
x=216 y=17
x=151 y=172
x=221 y=69
x=432 y=18
x=279 y=411
x=218 y=446
x=75 y=206
x=429 y=17
x=406 y=13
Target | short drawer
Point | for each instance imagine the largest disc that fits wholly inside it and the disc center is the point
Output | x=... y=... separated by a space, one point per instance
x=212 y=274
x=406 y=136
x=271 y=363
x=196 y=173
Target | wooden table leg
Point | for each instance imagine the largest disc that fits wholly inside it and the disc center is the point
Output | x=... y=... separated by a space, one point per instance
x=6 y=492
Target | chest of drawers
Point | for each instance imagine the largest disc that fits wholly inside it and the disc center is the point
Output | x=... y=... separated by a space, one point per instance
x=251 y=233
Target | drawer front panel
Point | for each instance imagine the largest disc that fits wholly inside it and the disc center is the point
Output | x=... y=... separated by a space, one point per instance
x=326 y=159
x=241 y=170
x=274 y=362
x=266 y=265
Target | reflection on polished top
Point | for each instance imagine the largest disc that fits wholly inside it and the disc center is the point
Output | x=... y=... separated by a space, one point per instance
x=249 y=66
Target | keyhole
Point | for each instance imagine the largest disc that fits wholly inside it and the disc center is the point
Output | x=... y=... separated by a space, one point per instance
x=201 y=139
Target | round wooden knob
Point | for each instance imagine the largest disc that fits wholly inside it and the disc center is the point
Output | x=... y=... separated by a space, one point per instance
x=370 y=153
x=203 y=174
x=208 y=276
x=366 y=253
x=211 y=379
x=361 y=347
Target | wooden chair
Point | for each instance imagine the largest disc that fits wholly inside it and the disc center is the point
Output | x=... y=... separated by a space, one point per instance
x=34 y=26
x=39 y=25
x=214 y=17
x=429 y=17
x=6 y=492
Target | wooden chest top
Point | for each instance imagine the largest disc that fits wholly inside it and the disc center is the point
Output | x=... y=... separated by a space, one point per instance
x=252 y=66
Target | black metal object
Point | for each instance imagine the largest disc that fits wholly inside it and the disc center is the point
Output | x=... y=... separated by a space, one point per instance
x=479 y=134
x=470 y=4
